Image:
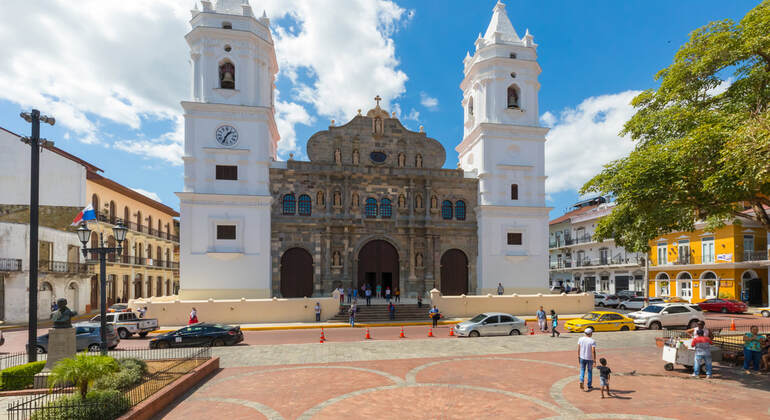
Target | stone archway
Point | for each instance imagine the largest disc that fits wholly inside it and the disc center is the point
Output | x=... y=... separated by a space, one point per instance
x=296 y=273
x=378 y=264
x=454 y=273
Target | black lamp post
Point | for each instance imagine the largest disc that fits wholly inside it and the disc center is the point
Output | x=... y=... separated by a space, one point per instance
x=84 y=234
x=35 y=142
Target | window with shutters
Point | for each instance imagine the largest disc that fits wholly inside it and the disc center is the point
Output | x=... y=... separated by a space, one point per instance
x=227 y=172
x=514 y=191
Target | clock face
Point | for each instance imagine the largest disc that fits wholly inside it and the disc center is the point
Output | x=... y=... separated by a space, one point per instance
x=227 y=135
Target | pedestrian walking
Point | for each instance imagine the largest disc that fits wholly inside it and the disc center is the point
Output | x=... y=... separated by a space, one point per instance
x=604 y=376
x=317 y=312
x=387 y=294
x=586 y=356
x=352 y=315
x=392 y=311
x=350 y=294
x=368 y=296
x=379 y=291
x=434 y=315
x=752 y=346
x=419 y=301
x=355 y=294
x=142 y=311
x=555 y=323
x=701 y=326
x=500 y=289
x=541 y=320
x=702 y=345
x=193 y=317
x=397 y=293
x=342 y=295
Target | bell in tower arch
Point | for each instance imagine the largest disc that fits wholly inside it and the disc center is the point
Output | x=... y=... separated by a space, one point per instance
x=227 y=75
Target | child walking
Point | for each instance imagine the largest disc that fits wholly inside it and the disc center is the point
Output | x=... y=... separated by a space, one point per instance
x=604 y=376
x=554 y=324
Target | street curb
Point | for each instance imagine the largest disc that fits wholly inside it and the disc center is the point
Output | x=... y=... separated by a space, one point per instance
x=358 y=325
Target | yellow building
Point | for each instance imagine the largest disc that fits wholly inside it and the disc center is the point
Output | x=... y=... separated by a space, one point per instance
x=149 y=264
x=694 y=265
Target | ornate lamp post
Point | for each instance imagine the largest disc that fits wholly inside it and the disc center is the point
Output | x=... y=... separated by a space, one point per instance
x=84 y=234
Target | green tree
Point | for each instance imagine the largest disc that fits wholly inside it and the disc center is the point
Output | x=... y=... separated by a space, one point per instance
x=82 y=370
x=702 y=138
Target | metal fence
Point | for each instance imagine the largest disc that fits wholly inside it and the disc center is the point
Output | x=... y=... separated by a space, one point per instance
x=164 y=367
x=725 y=338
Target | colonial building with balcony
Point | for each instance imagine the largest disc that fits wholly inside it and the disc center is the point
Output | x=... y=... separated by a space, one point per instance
x=148 y=265
x=705 y=264
x=578 y=260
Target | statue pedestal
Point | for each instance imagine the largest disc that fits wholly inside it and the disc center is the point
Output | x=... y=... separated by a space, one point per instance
x=61 y=344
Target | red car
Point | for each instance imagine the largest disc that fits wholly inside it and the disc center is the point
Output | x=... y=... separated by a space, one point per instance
x=723 y=305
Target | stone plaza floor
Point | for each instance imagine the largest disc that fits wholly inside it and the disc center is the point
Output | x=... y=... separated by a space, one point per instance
x=486 y=378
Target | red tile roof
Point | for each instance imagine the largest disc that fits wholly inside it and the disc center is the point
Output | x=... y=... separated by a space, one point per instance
x=568 y=215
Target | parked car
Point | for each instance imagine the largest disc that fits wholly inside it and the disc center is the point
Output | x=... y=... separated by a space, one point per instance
x=673 y=299
x=601 y=321
x=608 y=300
x=598 y=298
x=638 y=303
x=627 y=294
x=87 y=337
x=668 y=315
x=198 y=335
x=128 y=323
x=723 y=305
x=491 y=323
x=765 y=312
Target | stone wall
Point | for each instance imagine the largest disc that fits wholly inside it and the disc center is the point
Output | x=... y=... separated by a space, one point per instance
x=468 y=306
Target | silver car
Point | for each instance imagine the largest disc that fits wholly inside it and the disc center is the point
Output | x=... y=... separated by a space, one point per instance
x=87 y=337
x=491 y=323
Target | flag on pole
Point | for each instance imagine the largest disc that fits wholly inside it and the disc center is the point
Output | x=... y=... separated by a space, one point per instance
x=86 y=214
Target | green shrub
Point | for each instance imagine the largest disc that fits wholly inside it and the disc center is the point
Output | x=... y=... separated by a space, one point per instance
x=82 y=370
x=20 y=377
x=134 y=364
x=122 y=380
x=98 y=405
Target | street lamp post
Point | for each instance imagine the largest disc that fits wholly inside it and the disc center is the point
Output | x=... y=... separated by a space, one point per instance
x=35 y=142
x=120 y=234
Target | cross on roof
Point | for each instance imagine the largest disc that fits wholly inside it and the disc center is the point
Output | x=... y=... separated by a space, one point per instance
x=377 y=99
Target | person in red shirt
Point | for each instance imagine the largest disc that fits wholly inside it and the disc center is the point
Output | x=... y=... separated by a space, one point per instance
x=702 y=346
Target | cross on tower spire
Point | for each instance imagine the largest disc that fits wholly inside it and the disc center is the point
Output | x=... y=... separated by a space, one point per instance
x=378 y=99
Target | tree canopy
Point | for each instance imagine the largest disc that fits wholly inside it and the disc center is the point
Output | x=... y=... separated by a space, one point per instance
x=702 y=138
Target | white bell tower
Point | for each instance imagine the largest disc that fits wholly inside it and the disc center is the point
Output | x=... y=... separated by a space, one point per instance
x=503 y=144
x=230 y=142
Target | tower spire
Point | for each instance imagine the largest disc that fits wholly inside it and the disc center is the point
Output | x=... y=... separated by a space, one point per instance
x=500 y=27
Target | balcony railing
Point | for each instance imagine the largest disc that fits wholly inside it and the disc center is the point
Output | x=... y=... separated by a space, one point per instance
x=754 y=255
x=717 y=259
x=63 y=267
x=10 y=264
x=598 y=262
x=147 y=262
x=139 y=228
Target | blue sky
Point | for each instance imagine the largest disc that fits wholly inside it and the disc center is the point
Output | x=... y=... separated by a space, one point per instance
x=594 y=56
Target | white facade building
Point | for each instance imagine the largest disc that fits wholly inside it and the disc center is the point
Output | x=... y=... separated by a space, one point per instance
x=230 y=144
x=503 y=145
x=577 y=260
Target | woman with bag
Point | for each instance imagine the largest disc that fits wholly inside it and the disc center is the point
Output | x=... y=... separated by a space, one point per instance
x=193 y=317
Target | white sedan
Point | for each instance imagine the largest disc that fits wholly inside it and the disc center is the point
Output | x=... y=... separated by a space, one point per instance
x=608 y=300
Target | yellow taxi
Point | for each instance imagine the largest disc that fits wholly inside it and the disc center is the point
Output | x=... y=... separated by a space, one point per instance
x=674 y=299
x=765 y=312
x=601 y=321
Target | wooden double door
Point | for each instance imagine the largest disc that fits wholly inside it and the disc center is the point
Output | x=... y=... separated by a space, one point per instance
x=378 y=265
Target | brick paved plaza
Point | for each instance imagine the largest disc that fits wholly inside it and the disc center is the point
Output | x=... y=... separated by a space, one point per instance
x=496 y=377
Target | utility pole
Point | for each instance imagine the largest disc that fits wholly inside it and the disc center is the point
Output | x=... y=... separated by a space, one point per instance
x=35 y=142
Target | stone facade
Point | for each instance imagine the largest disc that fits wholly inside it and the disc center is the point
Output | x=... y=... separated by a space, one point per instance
x=339 y=185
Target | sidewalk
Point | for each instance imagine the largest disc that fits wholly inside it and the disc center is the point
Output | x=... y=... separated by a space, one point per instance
x=46 y=323
x=310 y=325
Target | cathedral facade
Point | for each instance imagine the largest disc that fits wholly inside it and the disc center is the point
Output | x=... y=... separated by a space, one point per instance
x=374 y=204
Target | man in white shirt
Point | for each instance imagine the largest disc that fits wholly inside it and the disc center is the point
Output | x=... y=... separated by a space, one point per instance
x=587 y=356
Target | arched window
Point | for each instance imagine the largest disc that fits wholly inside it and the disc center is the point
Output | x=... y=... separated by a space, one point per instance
x=371 y=207
x=139 y=221
x=305 y=205
x=460 y=210
x=112 y=212
x=227 y=75
x=95 y=204
x=446 y=210
x=470 y=106
x=160 y=227
x=513 y=97
x=514 y=191
x=149 y=224
x=386 y=209
x=126 y=216
x=289 y=204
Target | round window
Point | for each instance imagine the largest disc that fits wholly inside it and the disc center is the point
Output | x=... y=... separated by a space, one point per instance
x=378 y=157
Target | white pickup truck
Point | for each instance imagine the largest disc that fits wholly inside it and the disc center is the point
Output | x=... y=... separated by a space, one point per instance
x=128 y=324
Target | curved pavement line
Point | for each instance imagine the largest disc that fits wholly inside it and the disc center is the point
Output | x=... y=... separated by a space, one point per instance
x=557 y=394
x=395 y=379
x=307 y=415
x=624 y=416
x=263 y=409
x=411 y=376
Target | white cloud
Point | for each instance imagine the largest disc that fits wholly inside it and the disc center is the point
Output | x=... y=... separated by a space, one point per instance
x=149 y=194
x=548 y=119
x=428 y=101
x=585 y=138
x=95 y=61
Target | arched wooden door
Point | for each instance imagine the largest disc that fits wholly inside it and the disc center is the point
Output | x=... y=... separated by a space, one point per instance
x=378 y=264
x=454 y=273
x=296 y=273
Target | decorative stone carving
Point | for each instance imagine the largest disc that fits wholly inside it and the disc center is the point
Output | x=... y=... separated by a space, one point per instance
x=62 y=318
x=355 y=157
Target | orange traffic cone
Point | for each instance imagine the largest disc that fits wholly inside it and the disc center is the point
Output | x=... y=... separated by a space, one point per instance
x=430 y=332
x=732 y=324
x=531 y=331
x=323 y=337
x=402 y=333
x=451 y=331
x=368 y=337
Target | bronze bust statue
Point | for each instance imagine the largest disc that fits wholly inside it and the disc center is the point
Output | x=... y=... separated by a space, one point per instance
x=62 y=317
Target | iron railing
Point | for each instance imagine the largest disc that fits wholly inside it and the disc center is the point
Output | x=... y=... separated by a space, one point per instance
x=63 y=267
x=10 y=264
x=175 y=362
x=754 y=255
x=597 y=262
x=139 y=228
